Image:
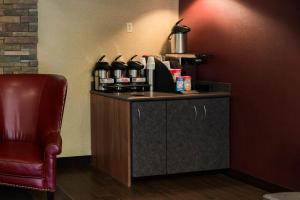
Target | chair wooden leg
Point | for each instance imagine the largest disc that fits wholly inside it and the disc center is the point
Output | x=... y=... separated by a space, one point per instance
x=50 y=195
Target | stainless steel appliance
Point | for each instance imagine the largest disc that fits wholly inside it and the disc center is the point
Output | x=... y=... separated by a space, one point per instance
x=120 y=69
x=178 y=38
x=135 y=72
x=102 y=73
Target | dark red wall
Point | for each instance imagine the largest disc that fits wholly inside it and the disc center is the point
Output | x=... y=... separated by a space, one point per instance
x=257 y=48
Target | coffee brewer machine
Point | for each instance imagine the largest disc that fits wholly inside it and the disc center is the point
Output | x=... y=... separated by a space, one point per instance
x=137 y=78
x=101 y=74
x=120 y=69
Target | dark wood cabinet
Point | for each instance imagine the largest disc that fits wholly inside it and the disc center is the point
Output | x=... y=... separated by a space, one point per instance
x=197 y=135
x=148 y=138
x=165 y=136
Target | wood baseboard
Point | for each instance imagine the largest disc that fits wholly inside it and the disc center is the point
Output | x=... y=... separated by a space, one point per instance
x=78 y=161
x=270 y=187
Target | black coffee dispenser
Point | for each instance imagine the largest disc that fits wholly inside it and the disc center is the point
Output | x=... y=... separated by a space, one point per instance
x=135 y=73
x=120 y=70
x=101 y=73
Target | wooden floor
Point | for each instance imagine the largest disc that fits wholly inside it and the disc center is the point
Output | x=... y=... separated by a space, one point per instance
x=88 y=184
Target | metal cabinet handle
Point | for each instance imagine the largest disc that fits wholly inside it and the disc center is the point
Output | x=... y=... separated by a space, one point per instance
x=205 y=111
x=139 y=113
x=196 y=112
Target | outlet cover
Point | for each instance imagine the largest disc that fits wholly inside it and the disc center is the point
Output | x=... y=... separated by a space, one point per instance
x=129 y=26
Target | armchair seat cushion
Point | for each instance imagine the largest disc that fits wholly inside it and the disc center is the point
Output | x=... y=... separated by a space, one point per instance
x=21 y=159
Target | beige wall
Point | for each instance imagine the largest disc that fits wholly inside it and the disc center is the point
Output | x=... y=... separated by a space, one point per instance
x=74 y=33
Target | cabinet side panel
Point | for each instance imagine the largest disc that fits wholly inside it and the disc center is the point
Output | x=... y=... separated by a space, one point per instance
x=122 y=142
x=111 y=137
x=94 y=127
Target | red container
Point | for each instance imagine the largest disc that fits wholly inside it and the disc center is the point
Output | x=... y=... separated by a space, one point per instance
x=175 y=73
x=187 y=83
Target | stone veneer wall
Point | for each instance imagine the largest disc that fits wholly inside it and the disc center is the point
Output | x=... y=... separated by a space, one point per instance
x=18 y=36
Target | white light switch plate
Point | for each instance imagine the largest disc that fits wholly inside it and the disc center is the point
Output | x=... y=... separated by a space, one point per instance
x=129 y=27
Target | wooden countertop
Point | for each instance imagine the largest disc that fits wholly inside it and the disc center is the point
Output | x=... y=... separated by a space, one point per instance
x=152 y=96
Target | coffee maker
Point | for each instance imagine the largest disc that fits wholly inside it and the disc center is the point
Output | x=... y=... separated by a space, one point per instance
x=101 y=74
x=137 y=78
x=120 y=70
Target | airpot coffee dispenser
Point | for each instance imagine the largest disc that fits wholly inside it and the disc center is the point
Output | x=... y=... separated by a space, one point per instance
x=178 y=38
x=135 y=71
x=137 y=78
x=101 y=74
x=120 y=71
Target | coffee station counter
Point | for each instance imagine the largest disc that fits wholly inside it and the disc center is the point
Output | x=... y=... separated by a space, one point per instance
x=138 y=134
x=152 y=96
x=207 y=90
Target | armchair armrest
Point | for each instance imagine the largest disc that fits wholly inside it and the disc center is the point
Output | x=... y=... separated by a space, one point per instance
x=52 y=144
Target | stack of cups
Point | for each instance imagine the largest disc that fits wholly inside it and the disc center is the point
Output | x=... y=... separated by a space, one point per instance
x=150 y=71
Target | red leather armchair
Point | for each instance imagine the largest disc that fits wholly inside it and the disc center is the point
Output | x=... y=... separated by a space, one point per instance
x=31 y=110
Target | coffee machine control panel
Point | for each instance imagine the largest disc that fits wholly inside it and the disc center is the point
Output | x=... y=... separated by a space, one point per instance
x=123 y=80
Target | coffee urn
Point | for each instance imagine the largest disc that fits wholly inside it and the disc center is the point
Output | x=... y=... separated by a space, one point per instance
x=135 y=72
x=120 y=69
x=102 y=73
x=178 y=38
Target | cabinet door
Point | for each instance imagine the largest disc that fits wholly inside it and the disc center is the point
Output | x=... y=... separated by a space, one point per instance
x=148 y=138
x=197 y=135
x=214 y=122
x=183 y=138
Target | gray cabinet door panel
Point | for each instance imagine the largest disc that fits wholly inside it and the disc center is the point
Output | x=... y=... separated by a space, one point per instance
x=214 y=124
x=183 y=137
x=148 y=138
x=197 y=135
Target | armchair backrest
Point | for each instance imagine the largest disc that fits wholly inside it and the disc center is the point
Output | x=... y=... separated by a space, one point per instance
x=30 y=105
